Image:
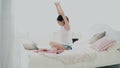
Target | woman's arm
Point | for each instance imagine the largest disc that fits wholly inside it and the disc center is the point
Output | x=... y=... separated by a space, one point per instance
x=57 y=7
x=66 y=26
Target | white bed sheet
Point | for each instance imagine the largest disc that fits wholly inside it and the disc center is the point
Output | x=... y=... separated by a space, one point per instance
x=102 y=59
x=107 y=58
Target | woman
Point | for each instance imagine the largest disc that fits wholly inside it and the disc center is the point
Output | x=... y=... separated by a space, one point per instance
x=64 y=44
x=63 y=21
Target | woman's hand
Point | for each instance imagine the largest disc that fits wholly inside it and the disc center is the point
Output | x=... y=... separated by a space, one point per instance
x=56 y=3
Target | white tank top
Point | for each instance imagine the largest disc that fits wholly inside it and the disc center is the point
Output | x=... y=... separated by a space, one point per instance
x=64 y=36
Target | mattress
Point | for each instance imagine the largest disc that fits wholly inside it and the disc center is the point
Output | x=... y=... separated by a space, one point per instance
x=105 y=58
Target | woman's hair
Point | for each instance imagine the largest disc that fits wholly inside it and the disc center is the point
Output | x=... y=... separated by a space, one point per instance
x=60 y=18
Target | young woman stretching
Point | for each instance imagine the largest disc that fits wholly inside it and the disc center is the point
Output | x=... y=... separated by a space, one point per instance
x=64 y=44
x=63 y=21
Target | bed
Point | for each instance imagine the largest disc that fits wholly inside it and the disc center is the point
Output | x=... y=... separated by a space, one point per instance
x=95 y=59
x=81 y=56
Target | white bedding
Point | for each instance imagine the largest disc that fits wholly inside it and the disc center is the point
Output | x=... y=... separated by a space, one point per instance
x=72 y=57
x=76 y=58
x=81 y=55
x=107 y=58
x=102 y=59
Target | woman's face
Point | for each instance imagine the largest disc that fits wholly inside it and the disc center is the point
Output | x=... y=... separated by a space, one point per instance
x=61 y=23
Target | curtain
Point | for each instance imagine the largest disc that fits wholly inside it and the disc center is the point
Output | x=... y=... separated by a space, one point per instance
x=7 y=35
x=12 y=54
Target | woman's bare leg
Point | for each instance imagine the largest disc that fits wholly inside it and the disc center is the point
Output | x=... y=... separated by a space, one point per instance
x=57 y=46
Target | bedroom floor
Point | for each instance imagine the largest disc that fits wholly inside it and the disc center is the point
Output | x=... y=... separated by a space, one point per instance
x=112 y=66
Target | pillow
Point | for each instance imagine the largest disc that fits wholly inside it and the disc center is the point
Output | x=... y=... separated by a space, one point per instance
x=96 y=28
x=80 y=44
x=29 y=45
x=97 y=37
x=103 y=44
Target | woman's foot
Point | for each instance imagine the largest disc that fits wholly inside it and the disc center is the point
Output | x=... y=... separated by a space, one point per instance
x=59 y=51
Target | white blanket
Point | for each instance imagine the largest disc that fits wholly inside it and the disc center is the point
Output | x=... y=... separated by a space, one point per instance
x=78 y=54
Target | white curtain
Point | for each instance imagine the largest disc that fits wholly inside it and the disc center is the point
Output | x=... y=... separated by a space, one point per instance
x=11 y=54
x=7 y=35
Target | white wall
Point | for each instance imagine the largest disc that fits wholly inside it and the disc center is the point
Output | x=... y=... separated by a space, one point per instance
x=37 y=18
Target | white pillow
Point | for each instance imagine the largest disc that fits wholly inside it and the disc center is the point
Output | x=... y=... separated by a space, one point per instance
x=80 y=44
x=97 y=28
x=103 y=44
x=29 y=45
x=97 y=37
